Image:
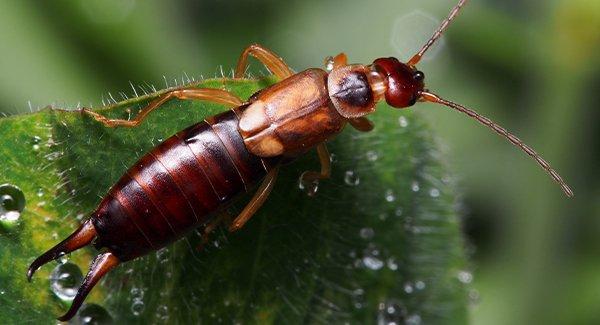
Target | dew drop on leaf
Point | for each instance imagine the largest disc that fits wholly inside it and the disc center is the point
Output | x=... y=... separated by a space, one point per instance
x=351 y=178
x=371 y=260
x=408 y=287
x=389 y=196
x=367 y=233
x=162 y=313
x=434 y=192
x=392 y=264
x=413 y=320
x=403 y=121
x=465 y=277
x=162 y=255
x=92 y=314
x=12 y=203
x=136 y=293
x=308 y=187
x=415 y=186
x=372 y=155
x=65 y=280
x=137 y=307
x=391 y=312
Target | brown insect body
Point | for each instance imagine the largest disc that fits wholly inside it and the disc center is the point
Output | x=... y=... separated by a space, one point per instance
x=176 y=187
x=185 y=180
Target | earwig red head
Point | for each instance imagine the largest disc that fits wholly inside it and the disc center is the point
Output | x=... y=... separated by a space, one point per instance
x=404 y=82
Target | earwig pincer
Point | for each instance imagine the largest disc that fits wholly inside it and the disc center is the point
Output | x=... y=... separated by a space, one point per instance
x=179 y=184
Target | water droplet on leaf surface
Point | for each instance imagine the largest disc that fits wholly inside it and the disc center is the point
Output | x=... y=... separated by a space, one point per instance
x=12 y=203
x=351 y=178
x=65 y=280
x=92 y=314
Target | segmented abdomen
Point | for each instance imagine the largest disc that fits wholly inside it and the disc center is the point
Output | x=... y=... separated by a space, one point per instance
x=176 y=186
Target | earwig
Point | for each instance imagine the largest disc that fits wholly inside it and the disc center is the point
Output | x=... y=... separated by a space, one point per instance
x=194 y=174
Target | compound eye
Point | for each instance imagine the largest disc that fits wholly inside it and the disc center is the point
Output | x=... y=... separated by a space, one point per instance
x=419 y=76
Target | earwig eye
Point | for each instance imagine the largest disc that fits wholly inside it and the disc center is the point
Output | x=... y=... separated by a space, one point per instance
x=419 y=76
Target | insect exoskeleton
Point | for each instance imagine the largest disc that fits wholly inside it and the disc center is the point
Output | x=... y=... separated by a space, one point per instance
x=291 y=116
x=355 y=89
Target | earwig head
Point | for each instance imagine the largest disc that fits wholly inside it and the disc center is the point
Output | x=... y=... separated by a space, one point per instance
x=404 y=82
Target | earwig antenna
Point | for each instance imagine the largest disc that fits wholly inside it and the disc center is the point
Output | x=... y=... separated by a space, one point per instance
x=430 y=97
x=417 y=57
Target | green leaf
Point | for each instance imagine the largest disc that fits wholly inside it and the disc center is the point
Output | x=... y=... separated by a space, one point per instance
x=380 y=242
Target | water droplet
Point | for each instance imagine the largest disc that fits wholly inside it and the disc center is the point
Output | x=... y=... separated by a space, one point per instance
x=137 y=307
x=389 y=196
x=372 y=155
x=391 y=312
x=398 y=212
x=358 y=297
x=370 y=259
x=465 y=277
x=329 y=63
x=162 y=312
x=351 y=178
x=40 y=192
x=434 y=192
x=136 y=293
x=12 y=203
x=415 y=186
x=92 y=314
x=65 y=280
x=35 y=141
x=162 y=255
x=392 y=264
x=474 y=297
x=408 y=287
x=62 y=258
x=420 y=285
x=333 y=158
x=309 y=187
x=413 y=320
x=403 y=121
x=367 y=233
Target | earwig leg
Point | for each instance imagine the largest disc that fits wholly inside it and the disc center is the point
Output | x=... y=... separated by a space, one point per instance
x=256 y=202
x=81 y=237
x=100 y=266
x=208 y=94
x=224 y=217
x=340 y=60
x=309 y=177
x=362 y=124
x=270 y=60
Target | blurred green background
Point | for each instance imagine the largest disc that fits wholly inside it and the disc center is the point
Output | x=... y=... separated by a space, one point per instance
x=532 y=66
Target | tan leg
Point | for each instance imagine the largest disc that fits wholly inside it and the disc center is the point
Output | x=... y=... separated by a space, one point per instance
x=362 y=124
x=257 y=200
x=310 y=176
x=338 y=61
x=224 y=217
x=271 y=60
x=207 y=94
